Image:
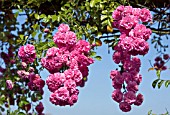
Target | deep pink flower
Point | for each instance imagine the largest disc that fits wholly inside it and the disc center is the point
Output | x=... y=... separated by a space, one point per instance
x=36 y=85
x=130 y=97
x=55 y=81
x=60 y=96
x=124 y=106
x=39 y=108
x=139 y=99
x=127 y=11
x=140 y=31
x=114 y=73
x=27 y=53
x=126 y=44
x=70 y=84
x=136 y=12
x=83 y=46
x=51 y=64
x=9 y=84
x=116 y=85
x=51 y=52
x=73 y=99
x=117 y=95
x=120 y=8
x=84 y=70
x=116 y=15
x=145 y=15
x=128 y=22
x=166 y=56
x=77 y=76
x=117 y=57
x=132 y=86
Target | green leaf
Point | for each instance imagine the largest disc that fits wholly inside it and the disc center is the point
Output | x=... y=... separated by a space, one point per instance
x=21 y=113
x=158 y=73
x=160 y=83
x=92 y=3
x=34 y=34
x=104 y=12
x=54 y=18
x=149 y=112
x=167 y=83
x=103 y=17
x=37 y=16
x=99 y=58
x=98 y=42
x=155 y=82
x=92 y=53
x=21 y=36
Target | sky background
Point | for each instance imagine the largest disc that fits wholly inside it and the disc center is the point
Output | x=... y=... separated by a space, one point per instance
x=95 y=96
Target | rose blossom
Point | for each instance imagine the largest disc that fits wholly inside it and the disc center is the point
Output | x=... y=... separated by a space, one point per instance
x=55 y=81
x=39 y=108
x=124 y=106
x=27 y=53
x=117 y=95
x=130 y=97
x=9 y=84
x=139 y=99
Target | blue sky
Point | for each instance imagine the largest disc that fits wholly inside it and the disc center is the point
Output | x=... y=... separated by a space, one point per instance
x=95 y=97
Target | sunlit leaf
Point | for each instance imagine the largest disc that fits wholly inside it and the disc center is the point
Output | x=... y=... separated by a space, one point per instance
x=160 y=83
x=98 y=42
x=155 y=83
x=98 y=58
x=167 y=83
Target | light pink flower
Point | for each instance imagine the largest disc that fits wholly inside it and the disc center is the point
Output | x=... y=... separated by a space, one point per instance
x=117 y=95
x=63 y=28
x=9 y=84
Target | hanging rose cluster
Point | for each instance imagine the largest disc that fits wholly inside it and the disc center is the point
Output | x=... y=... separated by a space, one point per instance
x=67 y=64
x=132 y=42
x=27 y=54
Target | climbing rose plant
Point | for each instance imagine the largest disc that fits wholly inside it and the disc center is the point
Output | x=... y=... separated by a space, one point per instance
x=68 y=66
x=132 y=42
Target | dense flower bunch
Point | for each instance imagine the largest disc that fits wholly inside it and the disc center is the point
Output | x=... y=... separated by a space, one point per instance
x=67 y=64
x=35 y=83
x=132 y=42
x=27 y=53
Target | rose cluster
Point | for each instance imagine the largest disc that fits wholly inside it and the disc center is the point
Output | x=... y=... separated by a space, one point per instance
x=27 y=53
x=132 y=42
x=35 y=83
x=68 y=66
